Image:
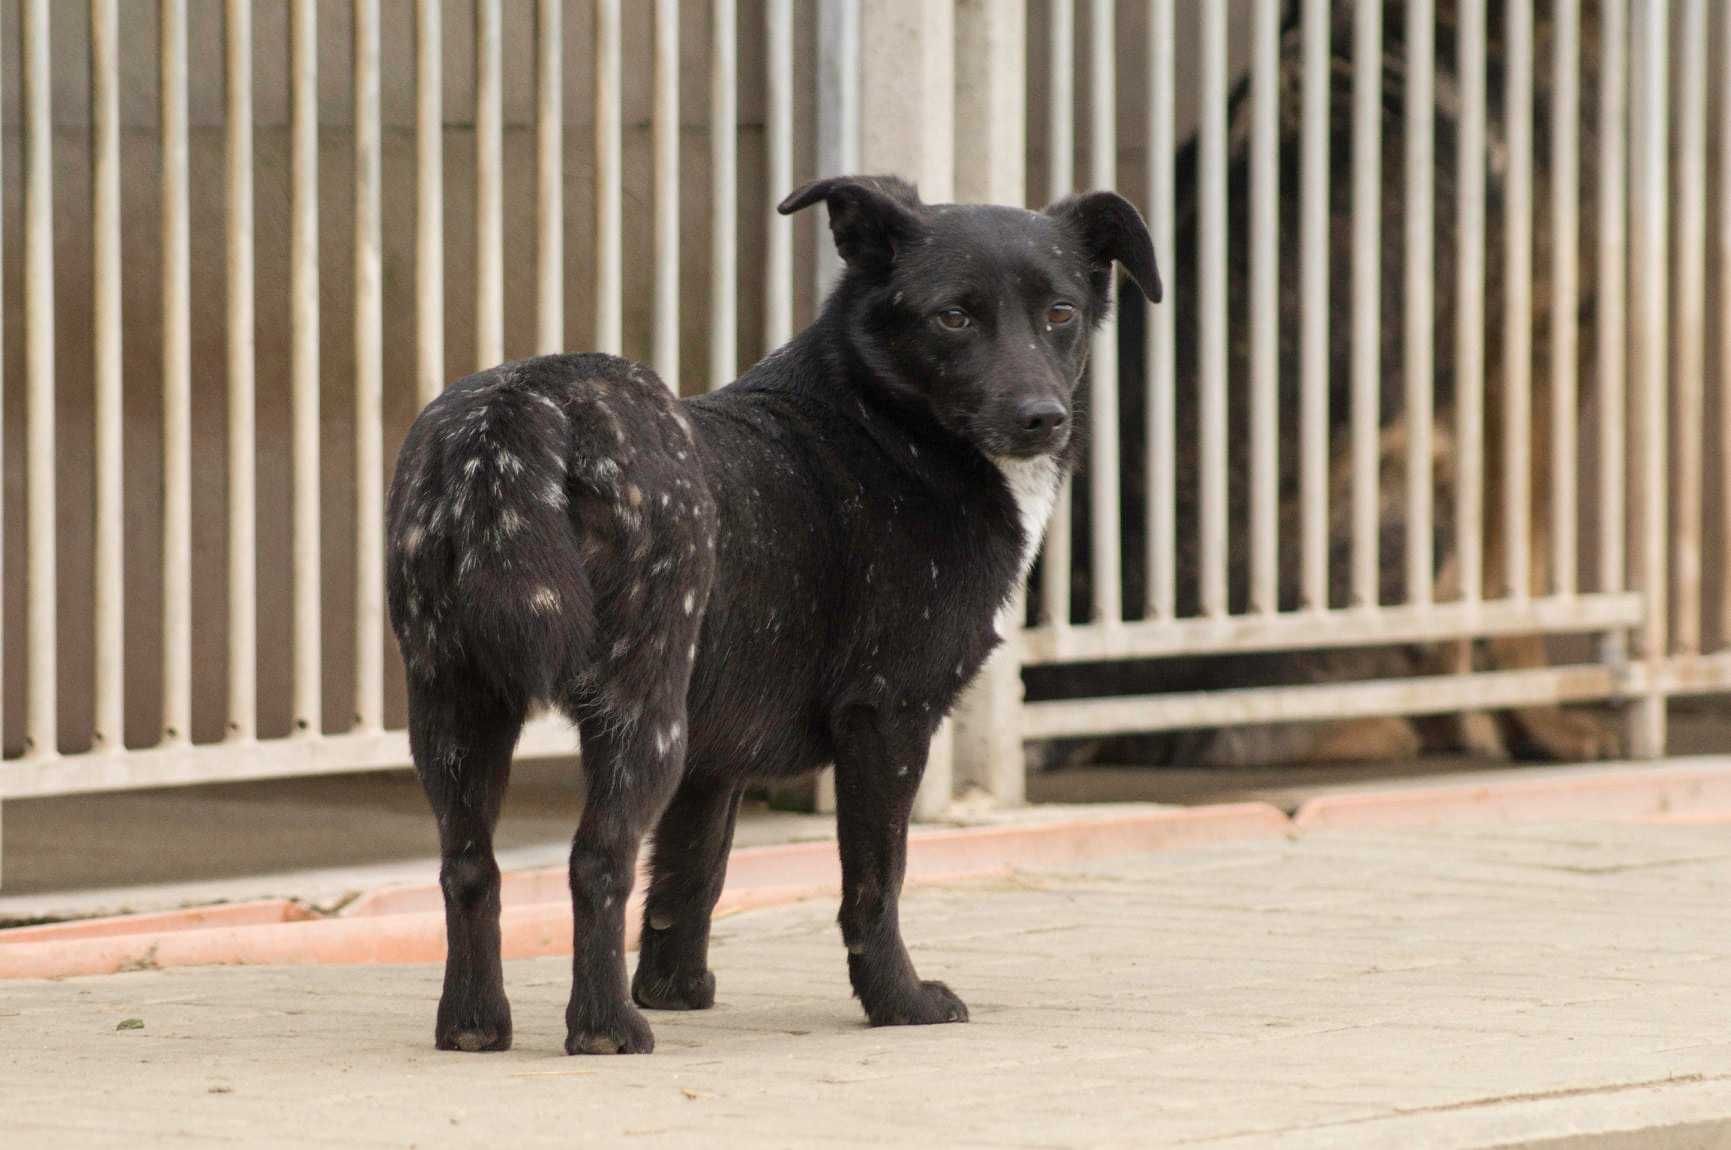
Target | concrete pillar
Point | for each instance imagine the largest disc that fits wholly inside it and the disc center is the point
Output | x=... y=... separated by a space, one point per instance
x=908 y=92
x=991 y=166
x=991 y=101
x=907 y=87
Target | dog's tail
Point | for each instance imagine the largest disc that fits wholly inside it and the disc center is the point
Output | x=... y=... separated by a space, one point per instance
x=484 y=574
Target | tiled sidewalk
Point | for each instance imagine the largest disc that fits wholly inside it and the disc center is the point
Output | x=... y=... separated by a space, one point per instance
x=1561 y=985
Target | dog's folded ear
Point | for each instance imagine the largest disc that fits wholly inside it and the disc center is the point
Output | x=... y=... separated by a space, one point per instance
x=870 y=216
x=1113 y=229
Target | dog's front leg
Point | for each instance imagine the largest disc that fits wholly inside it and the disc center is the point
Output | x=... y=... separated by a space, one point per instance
x=879 y=761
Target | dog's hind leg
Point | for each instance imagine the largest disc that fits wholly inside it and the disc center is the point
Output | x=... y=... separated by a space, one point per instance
x=878 y=765
x=631 y=769
x=462 y=742
x=687 y=869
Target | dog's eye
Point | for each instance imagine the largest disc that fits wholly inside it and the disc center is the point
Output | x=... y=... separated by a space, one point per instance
x=1060 y=314
x=954 y=319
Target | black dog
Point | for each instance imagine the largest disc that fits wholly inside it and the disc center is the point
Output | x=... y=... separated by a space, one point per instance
x=801 y=569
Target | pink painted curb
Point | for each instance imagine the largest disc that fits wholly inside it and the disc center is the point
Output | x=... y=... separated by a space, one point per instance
x=192 y=918
x=1671 y=793
x=406 y=924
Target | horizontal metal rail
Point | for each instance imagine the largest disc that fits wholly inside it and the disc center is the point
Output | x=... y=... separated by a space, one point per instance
x=1422 y=695
x=1333 y=629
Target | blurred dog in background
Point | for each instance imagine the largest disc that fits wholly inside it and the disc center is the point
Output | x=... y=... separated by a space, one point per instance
x=1546 y=733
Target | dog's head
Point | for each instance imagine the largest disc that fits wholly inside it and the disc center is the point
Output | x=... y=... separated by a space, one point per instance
x=980 y=313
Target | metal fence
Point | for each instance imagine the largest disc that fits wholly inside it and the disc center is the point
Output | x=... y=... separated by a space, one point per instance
x=942 y=92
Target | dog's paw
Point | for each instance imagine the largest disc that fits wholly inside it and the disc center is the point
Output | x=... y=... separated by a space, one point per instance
x=474 y=1027
x=676 y=991
x=621 y=1031
x=926 y=1004
x=1556 y=734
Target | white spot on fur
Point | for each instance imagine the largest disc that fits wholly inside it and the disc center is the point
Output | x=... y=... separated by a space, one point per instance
x=510 y=521
x=690 y=602
x=1033 y=484
x=543 y=600
x=411 y=540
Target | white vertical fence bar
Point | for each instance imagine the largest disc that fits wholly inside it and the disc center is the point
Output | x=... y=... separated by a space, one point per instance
x=1419 y=108
x=2 y=612
x=1518 y=302
x=369 y=380
x=609 y=182
x=110 y=637
x=1610 y=352
x=1211 y=305
x=1162 y=354
x=1265 y=307
x=41 y=722
x=1565 y=300
x=1723 y=60
x=304 y=355
x=1313 y=341
x=1366 y=296
x=1060 y=182
x=1105 y=520
x=176 y=382
x=665 y=323
x=550 y=176
x=1689 y=267
x=1649 y=209
x=242 y=426
x=489 y=189
x=429 y=203
x=724 y=193
x=1470 y=302
x=778 y=140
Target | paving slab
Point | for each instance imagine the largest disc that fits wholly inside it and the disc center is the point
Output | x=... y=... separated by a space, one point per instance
x=1565 y=986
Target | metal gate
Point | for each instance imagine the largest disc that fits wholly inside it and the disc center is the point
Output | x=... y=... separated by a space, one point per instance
x=599 y=205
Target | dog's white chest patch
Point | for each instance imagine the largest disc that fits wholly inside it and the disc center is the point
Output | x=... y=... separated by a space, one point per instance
x=1034 y=485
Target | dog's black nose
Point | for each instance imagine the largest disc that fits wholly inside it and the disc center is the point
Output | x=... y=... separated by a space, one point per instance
x=1041 y=417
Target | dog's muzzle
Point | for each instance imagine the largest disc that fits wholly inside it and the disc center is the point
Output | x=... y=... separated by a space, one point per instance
x=1041 y=426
